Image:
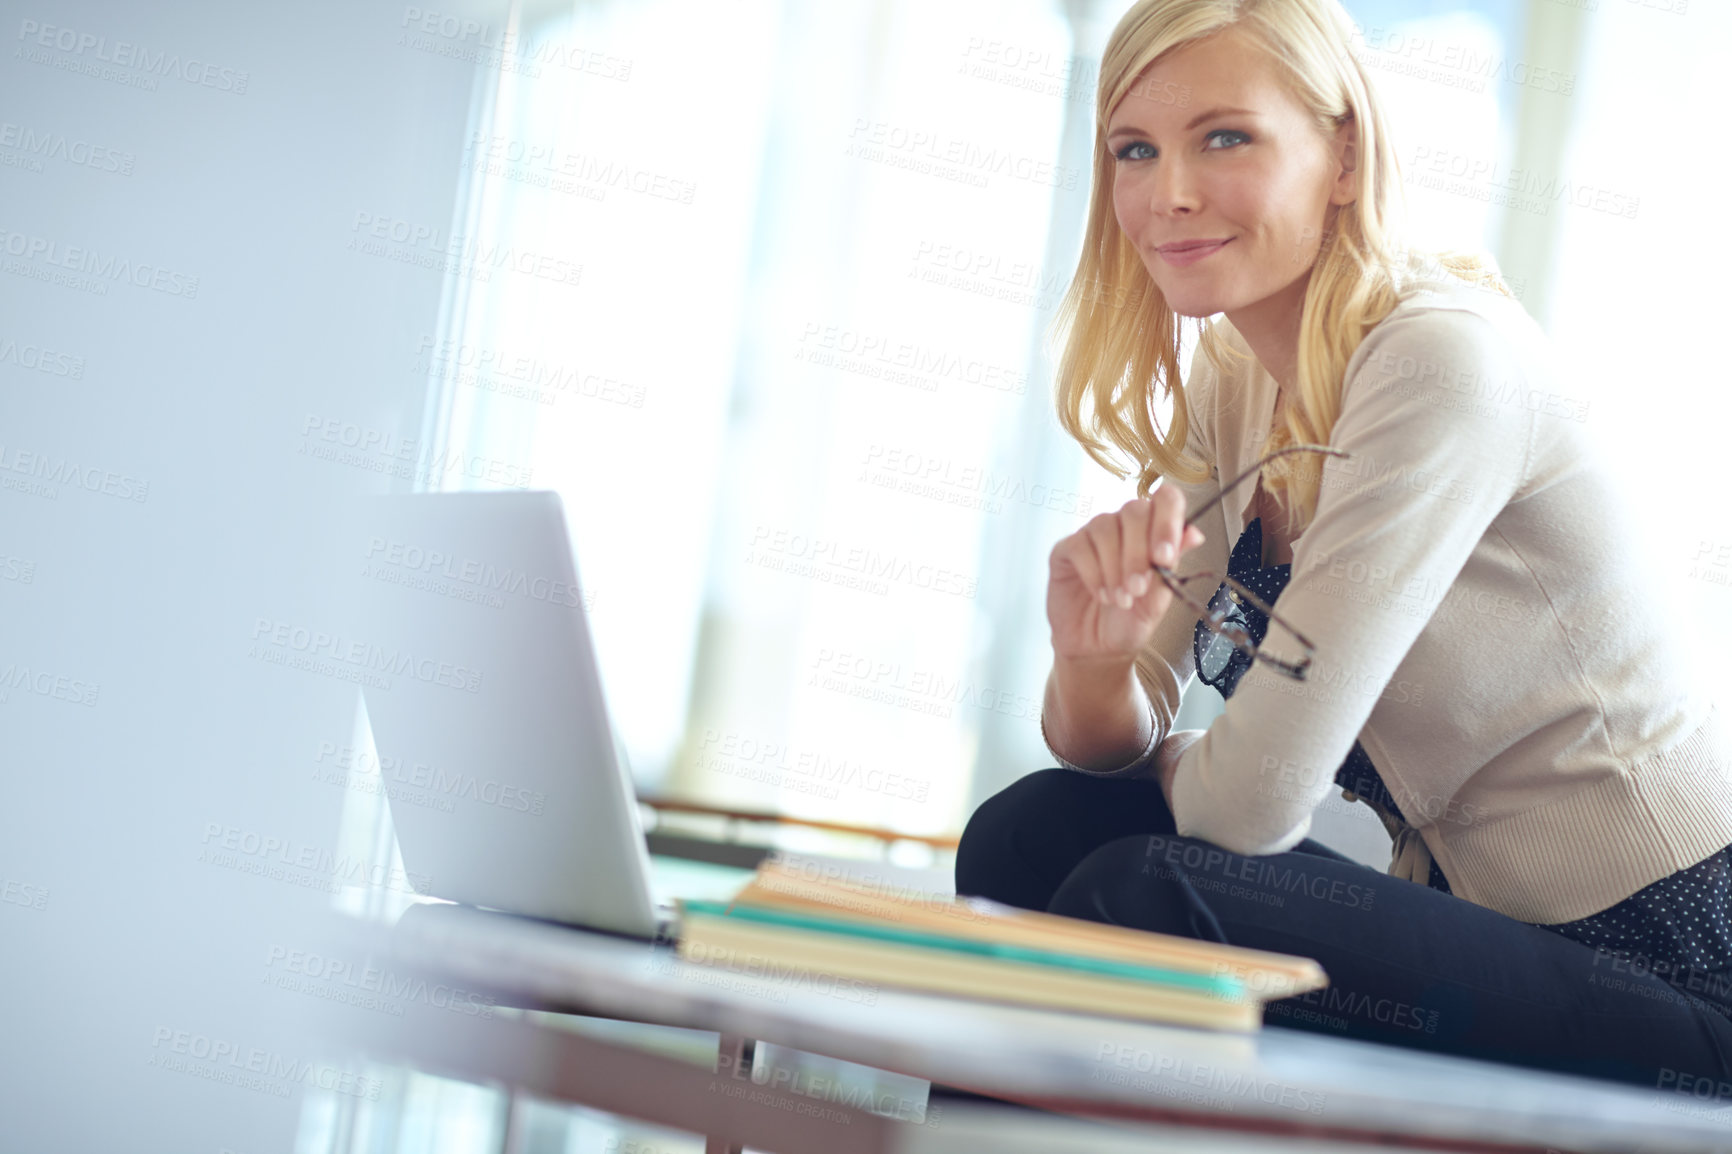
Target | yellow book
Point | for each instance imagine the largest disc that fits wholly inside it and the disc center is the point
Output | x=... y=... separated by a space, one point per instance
x=977 y=948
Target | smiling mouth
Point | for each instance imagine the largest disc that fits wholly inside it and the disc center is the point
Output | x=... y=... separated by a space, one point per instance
x=1178 y=248
x=1186 y=254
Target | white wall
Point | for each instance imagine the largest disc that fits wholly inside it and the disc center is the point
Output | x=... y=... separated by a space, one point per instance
x=175 y=418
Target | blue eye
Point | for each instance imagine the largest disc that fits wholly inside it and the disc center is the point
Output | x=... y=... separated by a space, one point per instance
x=1125 y=152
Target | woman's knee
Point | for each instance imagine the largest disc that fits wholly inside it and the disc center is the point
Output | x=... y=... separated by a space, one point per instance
x=1129 y=882
x=1045 y=821
x=994 y=821
x=1049 y=799
x=1016 y=801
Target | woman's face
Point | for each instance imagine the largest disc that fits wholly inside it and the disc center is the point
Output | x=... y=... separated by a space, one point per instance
x=1261 y=180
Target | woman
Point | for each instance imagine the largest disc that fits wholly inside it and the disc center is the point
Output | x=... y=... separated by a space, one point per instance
x=1491 y=669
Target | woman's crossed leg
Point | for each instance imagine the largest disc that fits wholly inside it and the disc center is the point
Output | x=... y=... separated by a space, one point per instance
x=1407 y=965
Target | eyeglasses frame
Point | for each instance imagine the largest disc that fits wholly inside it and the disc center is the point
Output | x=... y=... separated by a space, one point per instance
x=1240 y=594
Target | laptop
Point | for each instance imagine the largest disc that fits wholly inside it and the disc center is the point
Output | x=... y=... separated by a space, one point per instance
x=507 y=784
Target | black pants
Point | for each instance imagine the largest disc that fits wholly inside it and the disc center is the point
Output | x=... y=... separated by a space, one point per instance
x=1408 y=965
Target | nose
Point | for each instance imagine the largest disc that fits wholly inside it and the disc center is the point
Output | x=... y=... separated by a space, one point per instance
x=1172 y=188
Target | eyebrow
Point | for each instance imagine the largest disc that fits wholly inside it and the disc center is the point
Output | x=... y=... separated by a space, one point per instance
x=1195 y=120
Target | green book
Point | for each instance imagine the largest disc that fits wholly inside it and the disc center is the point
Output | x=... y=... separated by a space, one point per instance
x=1217 y=985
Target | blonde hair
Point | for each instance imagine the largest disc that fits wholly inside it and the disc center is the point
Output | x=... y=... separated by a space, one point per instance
x=1121 y=341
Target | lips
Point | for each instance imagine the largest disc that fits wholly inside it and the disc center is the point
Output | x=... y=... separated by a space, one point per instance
x=1179 y=246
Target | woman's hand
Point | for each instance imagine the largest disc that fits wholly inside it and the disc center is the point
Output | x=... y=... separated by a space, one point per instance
x=1102 y=599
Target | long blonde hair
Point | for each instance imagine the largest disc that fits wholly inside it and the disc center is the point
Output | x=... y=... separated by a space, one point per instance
x=1120 y=339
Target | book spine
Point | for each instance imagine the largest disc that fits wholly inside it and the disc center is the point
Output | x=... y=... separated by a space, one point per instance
x=785 y=957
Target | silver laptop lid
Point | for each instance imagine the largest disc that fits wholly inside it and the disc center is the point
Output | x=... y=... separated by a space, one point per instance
x=482 y=683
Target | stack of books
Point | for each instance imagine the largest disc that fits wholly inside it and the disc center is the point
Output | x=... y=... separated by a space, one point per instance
x=975 y=948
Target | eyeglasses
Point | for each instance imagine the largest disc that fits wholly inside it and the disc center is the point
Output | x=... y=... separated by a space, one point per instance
x=1224 y=615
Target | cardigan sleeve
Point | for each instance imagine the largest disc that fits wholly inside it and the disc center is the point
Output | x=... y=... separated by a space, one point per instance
x=1165 y=665
x=1425 y=481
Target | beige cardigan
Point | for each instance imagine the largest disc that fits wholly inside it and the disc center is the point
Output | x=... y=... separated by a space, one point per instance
x=1480 y=627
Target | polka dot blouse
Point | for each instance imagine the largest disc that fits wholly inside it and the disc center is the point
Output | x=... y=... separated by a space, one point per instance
x=1678 y=928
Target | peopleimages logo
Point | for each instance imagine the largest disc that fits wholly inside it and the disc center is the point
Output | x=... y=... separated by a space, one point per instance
x=251 y=1067
x=492 y=368
x=267 y=855
x=89 y=50
x=377 y=450
x=470 y=570
x=367 y=986
x=100 y=267
x=1170 y=1076
x=547 y=165
x=801 y=555
x=1209 y=860
x=506 y=47
x=444 y=783
x=18 y=678
x=39 y=145
x=16 y=893
x=432 y=247
x=925 y=150
x=48 y=472
x=283 y=637
x=40 y=359
x=813 y=772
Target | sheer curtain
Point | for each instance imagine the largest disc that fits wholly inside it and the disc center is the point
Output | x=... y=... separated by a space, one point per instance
x=789 y=392
x=899 y=273
x=633 y=156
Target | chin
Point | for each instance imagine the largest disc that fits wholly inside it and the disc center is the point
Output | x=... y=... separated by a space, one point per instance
x=1193 y=304
x=1190 y=300
x=1185 y=309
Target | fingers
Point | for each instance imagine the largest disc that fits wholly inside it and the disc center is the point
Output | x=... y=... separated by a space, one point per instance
x=1106 y=537
x=1134 y=575
x=1080 y=552
x=1119 y=547
x=1166 y=524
